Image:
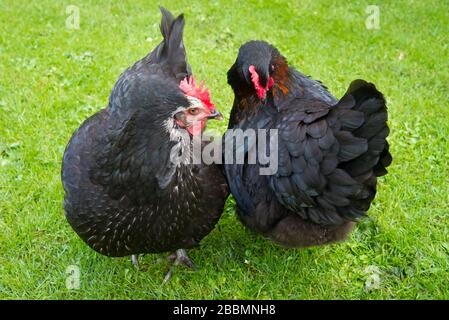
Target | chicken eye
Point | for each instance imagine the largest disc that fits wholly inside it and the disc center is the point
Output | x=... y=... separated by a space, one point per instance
x=193 y=111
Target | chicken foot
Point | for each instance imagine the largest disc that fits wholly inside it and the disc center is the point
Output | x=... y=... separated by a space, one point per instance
x=178 y=257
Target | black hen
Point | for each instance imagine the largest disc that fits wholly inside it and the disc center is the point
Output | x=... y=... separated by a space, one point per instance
x=330 y=152
x=125 y=192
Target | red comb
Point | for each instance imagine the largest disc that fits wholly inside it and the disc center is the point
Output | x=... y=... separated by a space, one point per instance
x=188 y=85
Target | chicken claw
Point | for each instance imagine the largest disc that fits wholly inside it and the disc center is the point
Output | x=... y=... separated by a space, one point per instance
x=177 y=258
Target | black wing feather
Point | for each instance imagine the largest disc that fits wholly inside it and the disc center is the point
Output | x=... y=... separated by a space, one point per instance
x=335 y=155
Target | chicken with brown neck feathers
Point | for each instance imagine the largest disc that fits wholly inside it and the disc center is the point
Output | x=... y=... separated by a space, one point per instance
x=124 y=194
x=330 y=152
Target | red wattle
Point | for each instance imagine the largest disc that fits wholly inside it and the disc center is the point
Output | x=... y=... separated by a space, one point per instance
x=261 y=91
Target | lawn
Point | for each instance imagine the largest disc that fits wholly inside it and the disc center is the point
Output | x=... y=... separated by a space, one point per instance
x=52 y=77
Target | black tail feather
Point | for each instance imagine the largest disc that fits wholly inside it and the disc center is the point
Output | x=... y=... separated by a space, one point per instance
x=172 y=54
x=369 y=101
x=384 y=161
x=166 y=22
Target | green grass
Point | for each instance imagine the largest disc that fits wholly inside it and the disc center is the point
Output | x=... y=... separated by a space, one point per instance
x=52 y=78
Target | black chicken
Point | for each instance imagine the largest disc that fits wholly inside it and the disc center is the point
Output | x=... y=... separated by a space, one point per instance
x=330 y=152
x=125 y=193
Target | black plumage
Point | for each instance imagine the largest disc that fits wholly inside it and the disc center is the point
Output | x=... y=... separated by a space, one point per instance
x=330 y=152
x=123 y=194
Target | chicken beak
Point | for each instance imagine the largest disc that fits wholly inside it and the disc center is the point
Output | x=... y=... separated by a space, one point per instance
x=215 y=115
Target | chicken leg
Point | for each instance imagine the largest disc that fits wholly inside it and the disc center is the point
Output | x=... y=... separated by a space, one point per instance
x=178 y=257
x=135 y=261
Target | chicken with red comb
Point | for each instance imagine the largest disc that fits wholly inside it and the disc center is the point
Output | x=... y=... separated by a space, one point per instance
x=125 y=193
x=329 y=152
